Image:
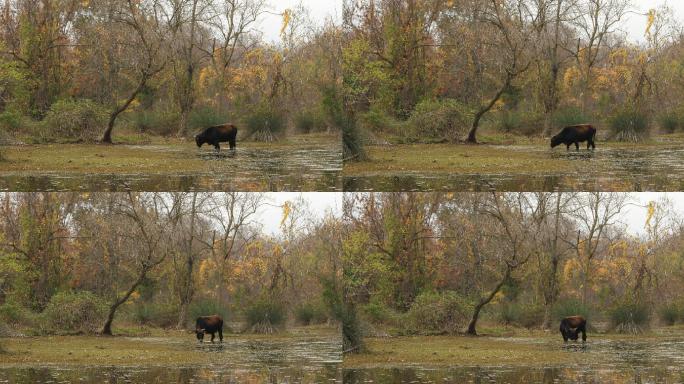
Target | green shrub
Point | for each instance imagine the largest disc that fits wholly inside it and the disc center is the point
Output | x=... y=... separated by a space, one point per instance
x=265 y=316
x=309 y=121
x=437 y=120
x=564 y=117
x=376 y=121
x=156 y=314
x=159 y=122
x=520 y=122
x=74 y=312
x=629 y=124
x=671 y=121
x=10 y=121
x=378 y=313
x=310 y=313
x=670 y=313
x=265 y=124
x=207 y=307
x=527 y=316
x=570 y=307
x=80 y=120
x=437 y=313
x=203 y=117
x=629 y=317
x=14 y=314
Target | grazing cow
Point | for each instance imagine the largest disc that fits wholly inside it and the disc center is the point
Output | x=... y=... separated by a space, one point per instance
x=571 y=326
x=575 y=134
x=217 y=134
x=209 y=324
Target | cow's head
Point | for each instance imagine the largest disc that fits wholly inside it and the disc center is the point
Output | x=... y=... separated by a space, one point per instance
x=199 y=139
x=556 y=140
x=200 y=334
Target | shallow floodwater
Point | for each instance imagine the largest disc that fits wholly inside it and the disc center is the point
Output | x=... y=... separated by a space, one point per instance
x=607 y=361
x=605 y=169
x=300 y=168
x=312 y=359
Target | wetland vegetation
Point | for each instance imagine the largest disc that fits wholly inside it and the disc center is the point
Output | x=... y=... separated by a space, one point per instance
x=148 y=76
x=442 y=283
x=511 y=75
x=116 y=280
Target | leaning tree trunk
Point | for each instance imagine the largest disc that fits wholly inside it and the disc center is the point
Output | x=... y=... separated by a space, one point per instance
x=472 y=135
x=107 y=136
x=476 y=313
x=107 y=328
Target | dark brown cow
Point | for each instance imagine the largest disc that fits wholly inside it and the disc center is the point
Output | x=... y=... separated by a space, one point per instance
x=218 y=134
x=209 y=324
x=571 y=326
x=575 y=134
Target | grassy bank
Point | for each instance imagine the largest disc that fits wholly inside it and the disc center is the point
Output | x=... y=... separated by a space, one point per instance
x=519 y=348
x=146 y=346
x=143 y=155
x=496 y=154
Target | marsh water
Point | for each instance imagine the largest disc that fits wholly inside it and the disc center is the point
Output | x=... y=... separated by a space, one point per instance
x=301 y=168
x=313 y=359
x=607 y=361
x=630 y=169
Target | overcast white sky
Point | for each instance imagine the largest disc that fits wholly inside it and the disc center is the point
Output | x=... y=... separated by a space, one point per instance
x=319 y=204
x=319 y=10
x=634 y=25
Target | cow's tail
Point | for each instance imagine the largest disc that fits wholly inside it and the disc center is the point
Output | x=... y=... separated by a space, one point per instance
x=593 y=134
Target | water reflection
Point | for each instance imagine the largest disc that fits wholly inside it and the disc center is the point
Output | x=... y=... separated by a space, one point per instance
x=300 y=359
x=208 y=374
x=515 y=375
x=314 y=168
x=606 y=169
x=607 y=361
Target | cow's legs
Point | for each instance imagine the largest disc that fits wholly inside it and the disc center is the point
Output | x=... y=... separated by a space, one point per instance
x=577 y=145
x=217 y=147
x=232 y=144
x=584 y=333
x=220 y=331
x=567 y=147
x=212 y=337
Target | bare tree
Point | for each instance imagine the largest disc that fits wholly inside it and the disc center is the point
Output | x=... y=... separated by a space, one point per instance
x=594 y=214
x=145 y=54
x=143 y=240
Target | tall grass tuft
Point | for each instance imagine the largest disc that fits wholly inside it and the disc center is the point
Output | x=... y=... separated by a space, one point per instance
x=630 y=317
x=265 y=315
x=266 y=124
x=629 y=124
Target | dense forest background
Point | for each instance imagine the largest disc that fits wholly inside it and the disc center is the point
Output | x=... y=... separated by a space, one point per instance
x=90 y=263
x=432 y=71
x=74 y=70
x=437 y=263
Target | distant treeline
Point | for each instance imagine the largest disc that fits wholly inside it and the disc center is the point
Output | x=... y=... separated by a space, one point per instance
x=73 y=70
x=84 y=263
x=438 y=263
x=427 y=71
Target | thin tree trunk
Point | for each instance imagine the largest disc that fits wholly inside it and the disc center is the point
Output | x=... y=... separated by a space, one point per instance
x=107 y=328
x=187 y=98
x=472 y=135
x=107 y=136
x=476 y=313
x=187 y=292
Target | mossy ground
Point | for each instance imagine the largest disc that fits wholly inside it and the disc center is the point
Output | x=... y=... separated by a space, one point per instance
x=140 y=347
x=496 y=154
x=518 y=348
x=133 y=155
